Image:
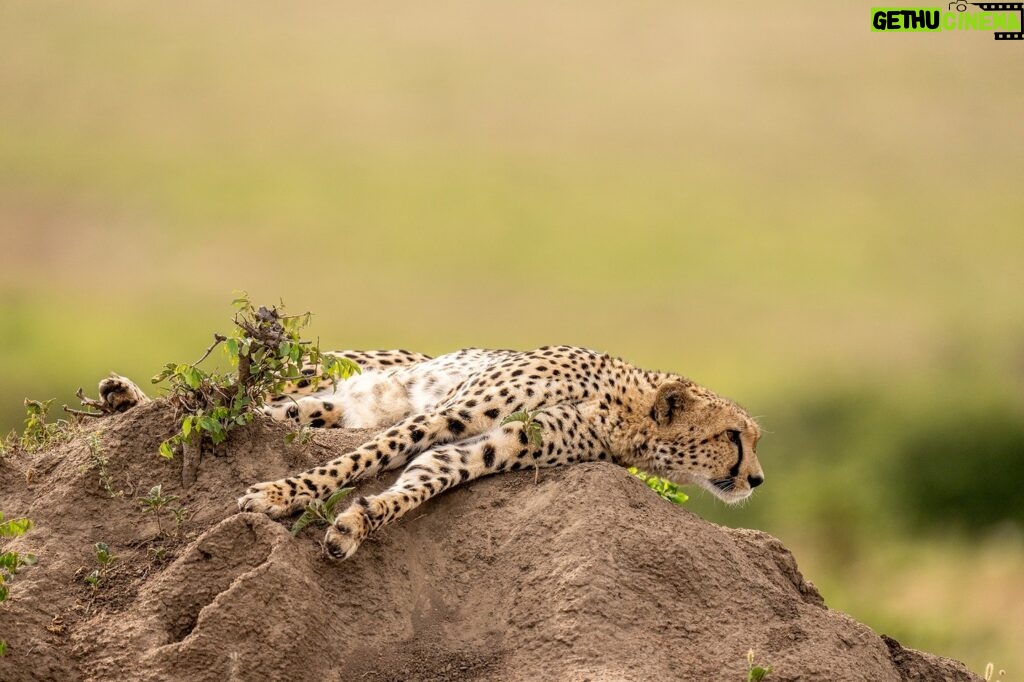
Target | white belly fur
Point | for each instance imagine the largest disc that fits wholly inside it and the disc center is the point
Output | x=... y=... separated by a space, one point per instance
x=377 y=398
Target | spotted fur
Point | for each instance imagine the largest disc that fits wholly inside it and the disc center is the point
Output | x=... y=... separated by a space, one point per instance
x=441 y=422
x=445 y=416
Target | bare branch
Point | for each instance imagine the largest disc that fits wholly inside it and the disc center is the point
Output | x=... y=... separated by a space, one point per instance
x=89 y=402
x=217 y=339
x=83 y=413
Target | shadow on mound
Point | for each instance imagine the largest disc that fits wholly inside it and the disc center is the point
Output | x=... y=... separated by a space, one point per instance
x=584 y=575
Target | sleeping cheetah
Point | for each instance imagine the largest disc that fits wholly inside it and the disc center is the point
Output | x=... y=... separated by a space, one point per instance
x=446 y=418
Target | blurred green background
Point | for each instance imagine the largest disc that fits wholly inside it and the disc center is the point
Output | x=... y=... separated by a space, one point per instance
x=820 y=221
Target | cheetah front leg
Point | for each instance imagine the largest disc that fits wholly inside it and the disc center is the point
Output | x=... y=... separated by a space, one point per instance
x=566 y=438
x=389 y=450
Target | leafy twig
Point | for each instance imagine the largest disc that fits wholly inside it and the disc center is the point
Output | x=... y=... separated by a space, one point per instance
x=268 y=351
x=320 y=512
x=666 y=489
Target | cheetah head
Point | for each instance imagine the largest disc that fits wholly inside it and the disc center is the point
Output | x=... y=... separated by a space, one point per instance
x=703 y=439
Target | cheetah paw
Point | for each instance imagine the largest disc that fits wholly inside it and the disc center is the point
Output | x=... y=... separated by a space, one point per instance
x=348 y=532
x=118 y=394
x=274 y=498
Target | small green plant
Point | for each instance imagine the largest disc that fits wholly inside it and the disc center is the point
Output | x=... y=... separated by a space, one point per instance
x=302 y=436
x=267 y=351
x=38 y=431
x=103 y=554
x=666 y=489
x=14 y=527
x=179 y=517
x=155 y=502
x=105 y=559
x=756 y=673
x=10 y=561
x=320 y=512
x=531 y=428
x=93 y=580
x=99 y=462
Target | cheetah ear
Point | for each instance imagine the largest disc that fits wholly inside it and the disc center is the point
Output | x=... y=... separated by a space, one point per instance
x=673 y=397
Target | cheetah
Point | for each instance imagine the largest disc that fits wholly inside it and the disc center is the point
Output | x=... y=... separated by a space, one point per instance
x=444 y=421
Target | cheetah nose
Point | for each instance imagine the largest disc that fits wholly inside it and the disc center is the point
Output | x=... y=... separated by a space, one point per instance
x=755 y=480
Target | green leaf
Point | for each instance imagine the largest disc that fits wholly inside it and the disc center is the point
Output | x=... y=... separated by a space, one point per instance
x=166 y=451
x=319 y=511
x=193 y=377
x=338 y=367
x=334 y=499
x=666 y=489
x=103 y=554
x=208 y=423
x=15 y=527
x=3 y=592
x=186 y=426
x=757 y=673
x=303 y=521
x=3 y=644
x=167 y=371
x=516 y=417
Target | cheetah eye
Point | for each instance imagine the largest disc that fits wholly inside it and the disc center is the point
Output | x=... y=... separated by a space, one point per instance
x=734 y=436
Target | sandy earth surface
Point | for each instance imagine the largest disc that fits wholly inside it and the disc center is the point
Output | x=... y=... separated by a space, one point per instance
x=583 y=575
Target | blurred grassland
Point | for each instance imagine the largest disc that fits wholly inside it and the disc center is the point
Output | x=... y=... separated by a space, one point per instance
x=820 y=221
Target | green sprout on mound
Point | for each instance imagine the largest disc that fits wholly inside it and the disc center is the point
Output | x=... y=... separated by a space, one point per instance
x=666 y=489
x=10 y=561
x=39 y=432
x=320 y=512
x=105 y=559
x=155 y=503
x=756 y=673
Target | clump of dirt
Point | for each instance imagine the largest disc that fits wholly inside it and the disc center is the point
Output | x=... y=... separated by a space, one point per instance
x=584 y=575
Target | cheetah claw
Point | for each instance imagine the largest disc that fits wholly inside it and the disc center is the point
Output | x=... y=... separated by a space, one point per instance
x=348 y=532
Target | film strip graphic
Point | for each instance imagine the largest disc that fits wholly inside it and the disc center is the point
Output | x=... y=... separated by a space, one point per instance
x=1003 y=7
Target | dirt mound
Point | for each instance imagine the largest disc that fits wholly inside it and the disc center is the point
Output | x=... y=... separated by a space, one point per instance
x=584 y=575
